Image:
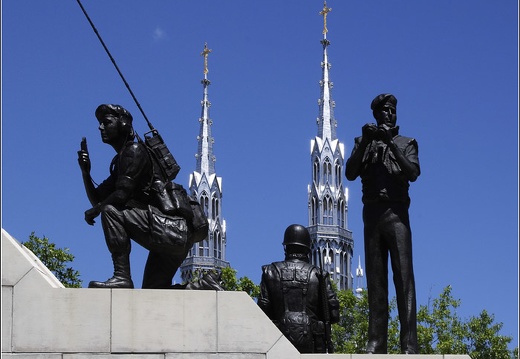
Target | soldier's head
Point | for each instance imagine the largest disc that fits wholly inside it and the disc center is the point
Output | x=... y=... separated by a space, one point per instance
x=384 y=109
x=115 y=123
x=297 y=240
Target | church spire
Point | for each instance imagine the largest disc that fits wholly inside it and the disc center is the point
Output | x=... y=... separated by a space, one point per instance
x=206 y=187
x=205 y=157
x=326 y=120
x=332 y=242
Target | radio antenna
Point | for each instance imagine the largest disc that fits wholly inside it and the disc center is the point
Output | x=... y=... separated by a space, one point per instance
x=115 y=65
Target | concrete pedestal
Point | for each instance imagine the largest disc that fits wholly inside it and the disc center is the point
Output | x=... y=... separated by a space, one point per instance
x=43 y=320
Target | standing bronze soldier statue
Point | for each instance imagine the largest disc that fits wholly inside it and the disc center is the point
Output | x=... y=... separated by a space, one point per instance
x=386 y=163
x=127 y=202
x=298 y=297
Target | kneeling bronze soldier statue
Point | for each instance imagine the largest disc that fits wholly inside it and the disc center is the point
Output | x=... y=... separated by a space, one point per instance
x=298 y=297
x=127 y=206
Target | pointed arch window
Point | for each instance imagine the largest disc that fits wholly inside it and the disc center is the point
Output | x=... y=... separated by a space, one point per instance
x=341 y=213
x=204 y=247
x=314 y=211
x=215 y=244
x=342 y=265
x=337 y=170
x=204 y=201
x=316 y=170
x=327 y=171
x=332 y=262
x=219 y=245
x=214 y=207
x=327 y=210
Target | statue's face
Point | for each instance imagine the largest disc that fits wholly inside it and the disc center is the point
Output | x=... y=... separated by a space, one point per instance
x=386 y=115
x=109 y=128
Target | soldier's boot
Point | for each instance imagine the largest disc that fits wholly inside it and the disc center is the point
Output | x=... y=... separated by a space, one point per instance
x=121 y=278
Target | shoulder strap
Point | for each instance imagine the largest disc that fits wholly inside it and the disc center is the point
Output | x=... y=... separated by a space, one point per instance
x=152 y=161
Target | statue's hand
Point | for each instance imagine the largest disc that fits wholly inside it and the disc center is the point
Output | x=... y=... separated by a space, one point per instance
x=368 y=131
x=84 y=158
x=385 y=133
x=90 y=214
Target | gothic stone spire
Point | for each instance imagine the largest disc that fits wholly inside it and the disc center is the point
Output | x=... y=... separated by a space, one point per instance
x=331 y=240
x=326 y=121
x=205 y=157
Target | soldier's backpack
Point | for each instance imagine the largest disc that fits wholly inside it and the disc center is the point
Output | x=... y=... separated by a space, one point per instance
x=296 y=325
x=169 y=197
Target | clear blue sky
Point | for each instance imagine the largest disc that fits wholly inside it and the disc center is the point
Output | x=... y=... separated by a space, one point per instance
x=451 y=64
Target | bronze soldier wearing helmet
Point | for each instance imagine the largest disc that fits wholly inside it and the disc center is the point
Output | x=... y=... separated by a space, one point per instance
x=292 y=294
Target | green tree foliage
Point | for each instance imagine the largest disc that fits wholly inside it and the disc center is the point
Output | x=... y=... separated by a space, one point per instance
x=55 y=260
x=230 y=282
x=349 y=335
x=442 y=331
x=439 y=329
x=484 y=340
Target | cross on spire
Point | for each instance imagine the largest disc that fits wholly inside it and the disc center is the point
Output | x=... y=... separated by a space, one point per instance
x=205 y=53
x=324 y=13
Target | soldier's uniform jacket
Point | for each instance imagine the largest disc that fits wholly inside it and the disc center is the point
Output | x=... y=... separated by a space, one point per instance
x=381 y=175
x=130 y=170
x=292 y=297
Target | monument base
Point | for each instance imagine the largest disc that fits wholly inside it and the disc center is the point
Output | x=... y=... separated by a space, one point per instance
x=41 y=318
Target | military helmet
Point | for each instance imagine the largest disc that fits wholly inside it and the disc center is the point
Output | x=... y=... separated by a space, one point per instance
x=297 y=235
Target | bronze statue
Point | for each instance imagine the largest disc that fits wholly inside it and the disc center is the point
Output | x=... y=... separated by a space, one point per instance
x=127 y=202
x=386 y=163
x=298 y=297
